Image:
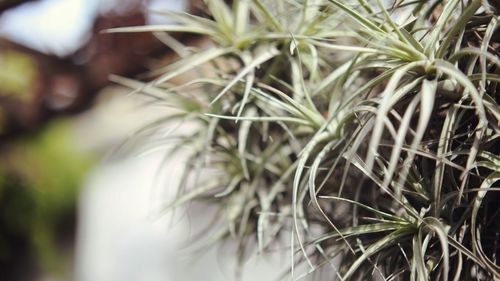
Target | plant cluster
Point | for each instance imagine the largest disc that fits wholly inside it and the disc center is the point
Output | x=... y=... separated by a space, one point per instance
x=368 y=128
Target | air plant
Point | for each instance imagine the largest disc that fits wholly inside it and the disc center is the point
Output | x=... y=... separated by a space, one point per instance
x=370 y=129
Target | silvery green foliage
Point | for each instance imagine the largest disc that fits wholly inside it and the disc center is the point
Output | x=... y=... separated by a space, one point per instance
x=366 y=131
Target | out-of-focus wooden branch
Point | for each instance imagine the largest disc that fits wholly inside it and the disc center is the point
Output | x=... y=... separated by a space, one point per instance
x=7 y=4
x=35 y=86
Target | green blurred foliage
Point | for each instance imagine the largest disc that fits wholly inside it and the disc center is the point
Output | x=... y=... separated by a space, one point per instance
x=17 y=74
x=39 y=180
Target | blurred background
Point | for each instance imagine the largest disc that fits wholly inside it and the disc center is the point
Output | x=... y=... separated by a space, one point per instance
x=71 y=208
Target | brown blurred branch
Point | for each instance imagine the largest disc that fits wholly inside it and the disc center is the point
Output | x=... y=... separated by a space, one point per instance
x=67 y=85
x=7 y=4
x=42 y=86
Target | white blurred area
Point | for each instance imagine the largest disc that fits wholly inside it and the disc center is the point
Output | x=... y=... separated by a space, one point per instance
x=60 y=27
x=122 y=233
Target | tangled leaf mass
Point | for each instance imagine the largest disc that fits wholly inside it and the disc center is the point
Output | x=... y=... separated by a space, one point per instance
x=366 y=130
